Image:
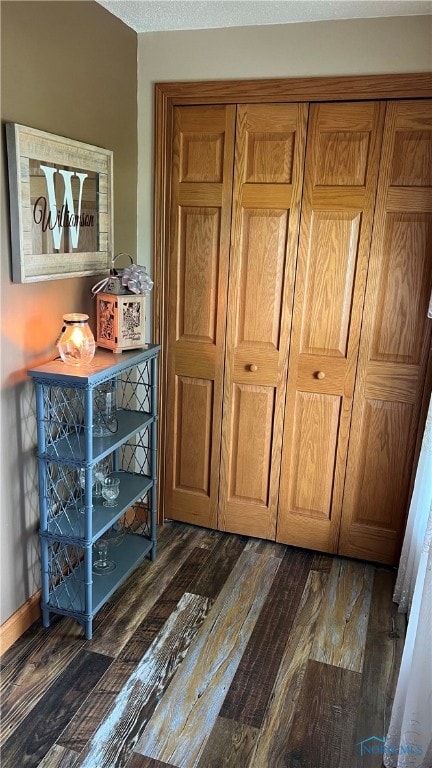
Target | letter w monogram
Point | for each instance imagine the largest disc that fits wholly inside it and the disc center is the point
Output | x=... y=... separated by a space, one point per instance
x=68 y=202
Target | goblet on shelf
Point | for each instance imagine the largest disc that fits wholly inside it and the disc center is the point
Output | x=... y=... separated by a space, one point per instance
x=102 y=564
x=110 y=490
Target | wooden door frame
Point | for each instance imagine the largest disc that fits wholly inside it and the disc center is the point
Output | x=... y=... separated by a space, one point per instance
x=170 y=95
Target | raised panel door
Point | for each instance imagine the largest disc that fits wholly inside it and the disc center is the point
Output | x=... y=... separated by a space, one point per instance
x=343 y=150
x=202 y=165
x=270 y=145
x=395 y=341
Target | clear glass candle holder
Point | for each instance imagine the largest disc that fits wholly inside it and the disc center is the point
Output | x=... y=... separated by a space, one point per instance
x=76 y=344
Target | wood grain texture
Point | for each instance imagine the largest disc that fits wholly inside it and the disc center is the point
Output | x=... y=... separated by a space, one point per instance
x=250 y=450
x=384 y=646
x=383 y=380
x=274 y=736
x=312 y=471
x=209 y=540
x=102 y=699
x=224 y=742
x=167 y=95
x=230 y=745
x=388 y=86
x=341 y=175
x=24 y=683
x=140 y=761
x=341 y=632
x=149 y=581
x=114 y=741
x=249 y=693
x=263 y=547
x=202 y=154
x=395 y=341
x=16 y=654
x=96 y=707
x=322 y=731
x=321 y=563
x=209 y=666
x=270 y=146
x=32 y=739
x=165 y=605
x=215 y=571
x=345 y=157
x=59 y=757
x=381 y=492
x=193 y=429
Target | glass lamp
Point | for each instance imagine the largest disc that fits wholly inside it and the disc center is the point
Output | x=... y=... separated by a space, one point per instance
x=76 y=343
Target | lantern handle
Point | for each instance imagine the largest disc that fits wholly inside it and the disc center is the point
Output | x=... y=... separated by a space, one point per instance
x=98 y=287
x=113 y=270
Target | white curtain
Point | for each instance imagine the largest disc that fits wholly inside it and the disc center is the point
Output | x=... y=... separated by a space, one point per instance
x=409 y=739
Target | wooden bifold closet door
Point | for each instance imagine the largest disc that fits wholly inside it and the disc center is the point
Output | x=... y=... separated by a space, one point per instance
x=268 y=180
x=395 y=342
x=342 y=162
x=300 y=261
x=202 y=167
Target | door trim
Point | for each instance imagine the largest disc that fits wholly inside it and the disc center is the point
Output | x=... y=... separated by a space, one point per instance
x=169 y=95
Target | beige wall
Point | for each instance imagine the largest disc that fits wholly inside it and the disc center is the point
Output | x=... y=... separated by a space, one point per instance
x=68 y=68
x=365 y=46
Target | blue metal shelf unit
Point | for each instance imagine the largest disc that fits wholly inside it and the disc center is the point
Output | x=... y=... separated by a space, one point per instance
x=73 y=517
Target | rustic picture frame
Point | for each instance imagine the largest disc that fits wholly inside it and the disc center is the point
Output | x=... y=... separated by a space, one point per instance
x=61 y=205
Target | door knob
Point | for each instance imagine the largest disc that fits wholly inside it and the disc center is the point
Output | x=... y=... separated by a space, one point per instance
x=320 y=375
x=253 y=368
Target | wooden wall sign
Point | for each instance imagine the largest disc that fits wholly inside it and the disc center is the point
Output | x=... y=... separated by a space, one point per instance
x=61 y=206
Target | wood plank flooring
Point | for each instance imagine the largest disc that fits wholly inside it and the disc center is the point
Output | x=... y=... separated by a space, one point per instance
x=226 y=652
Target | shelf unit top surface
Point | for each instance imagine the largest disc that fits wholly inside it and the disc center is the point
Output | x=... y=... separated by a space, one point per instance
x=102 y=364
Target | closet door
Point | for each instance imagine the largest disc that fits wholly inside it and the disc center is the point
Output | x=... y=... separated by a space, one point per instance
x=343 y=150
x=202 y=167
x=395 y=341
x=270 y=145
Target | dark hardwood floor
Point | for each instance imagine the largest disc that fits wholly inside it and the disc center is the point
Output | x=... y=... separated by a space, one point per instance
x=226 y=651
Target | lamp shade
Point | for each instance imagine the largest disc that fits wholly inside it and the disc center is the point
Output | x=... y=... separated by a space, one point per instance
x=76 y=343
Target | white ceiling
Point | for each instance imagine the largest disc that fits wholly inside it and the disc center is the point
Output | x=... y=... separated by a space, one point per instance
x=157 y=15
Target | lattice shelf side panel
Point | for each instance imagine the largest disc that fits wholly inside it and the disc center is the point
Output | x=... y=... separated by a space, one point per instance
x=134 y=388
